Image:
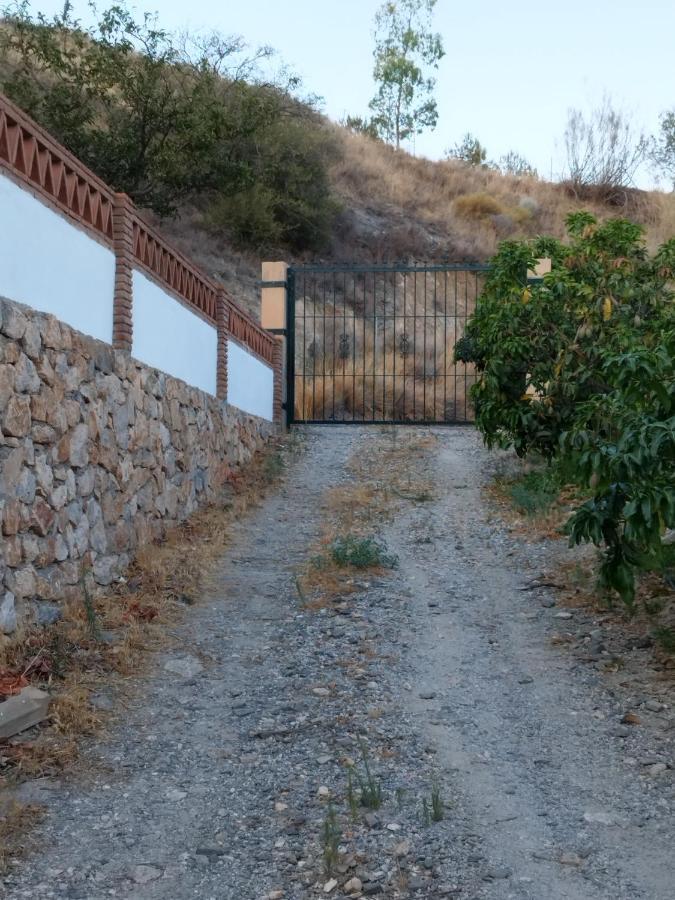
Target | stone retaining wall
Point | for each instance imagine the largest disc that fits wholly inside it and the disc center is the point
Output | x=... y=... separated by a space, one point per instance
x=98 y=455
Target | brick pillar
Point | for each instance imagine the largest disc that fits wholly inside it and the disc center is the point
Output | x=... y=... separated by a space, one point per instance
x=124 y=260
x=223 y=326
x=279 y=344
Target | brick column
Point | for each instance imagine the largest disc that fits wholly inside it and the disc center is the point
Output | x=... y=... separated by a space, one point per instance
x=124 y=260
x=278 y=407
x=223 y=328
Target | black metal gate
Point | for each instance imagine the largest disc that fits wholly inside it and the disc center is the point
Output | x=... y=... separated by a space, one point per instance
x=375 y=344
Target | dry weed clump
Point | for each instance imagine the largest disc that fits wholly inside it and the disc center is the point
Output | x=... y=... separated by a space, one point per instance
x=112 y=635
x=478 y=206
x=16 y=819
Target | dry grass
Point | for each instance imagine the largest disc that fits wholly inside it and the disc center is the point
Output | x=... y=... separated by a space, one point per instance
x=380 y=483
x=399 y=189
x=15 y=822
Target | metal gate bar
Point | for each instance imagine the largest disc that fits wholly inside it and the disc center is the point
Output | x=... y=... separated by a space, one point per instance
x=374 y=344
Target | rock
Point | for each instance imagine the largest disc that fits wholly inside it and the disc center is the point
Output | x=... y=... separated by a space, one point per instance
x=656 y=769
x=8 y=614
x=17 y=418
x=41 y=517
x=175 y=795
x=26 y=378
x=78 y=455
x=105 y=569
x=654 y=706
x=526 y=680
x=330 y=886
x=371 y=888
x=14 y=322
x=401 y=849
x=144 y=874
x=570 y=859
x=353 y=886
x=631 y=718
x=427 y=695
x=323 y=793
x=186 y=666
x=23 y=711
x=562 y=615
x=48 y=614
x=321 y=692
x=548 y=602
x=599 y=818
x=497 y=873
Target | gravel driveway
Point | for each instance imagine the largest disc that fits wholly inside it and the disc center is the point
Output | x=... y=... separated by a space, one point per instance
x=226 y=776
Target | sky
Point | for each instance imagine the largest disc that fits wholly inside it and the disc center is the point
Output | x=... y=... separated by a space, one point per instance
x=511 y=72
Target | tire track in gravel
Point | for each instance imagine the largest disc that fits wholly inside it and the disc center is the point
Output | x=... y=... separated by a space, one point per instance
x=210 y=782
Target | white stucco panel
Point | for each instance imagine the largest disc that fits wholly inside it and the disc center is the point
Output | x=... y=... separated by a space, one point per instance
x=47 y=262
x=250 y=383
x=171 y=338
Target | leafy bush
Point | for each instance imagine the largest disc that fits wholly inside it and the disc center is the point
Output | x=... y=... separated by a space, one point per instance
x=361 y=553
x=580 y=368
x=536 y=491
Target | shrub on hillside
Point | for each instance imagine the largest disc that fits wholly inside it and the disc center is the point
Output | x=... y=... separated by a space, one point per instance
x=289 y=199
x=477 y=206
x=165 y=119
x=581 y=368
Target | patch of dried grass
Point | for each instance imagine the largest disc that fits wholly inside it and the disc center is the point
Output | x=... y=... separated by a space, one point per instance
x=382 y=480
x=16 y=819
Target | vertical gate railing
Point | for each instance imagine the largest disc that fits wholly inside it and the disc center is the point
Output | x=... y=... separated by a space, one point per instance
x=375 y=344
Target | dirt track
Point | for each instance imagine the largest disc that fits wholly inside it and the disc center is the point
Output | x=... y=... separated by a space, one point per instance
x=213 y=783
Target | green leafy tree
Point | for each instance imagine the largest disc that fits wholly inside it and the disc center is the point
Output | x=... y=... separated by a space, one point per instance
x=470 y=151
x=406 y=51
x=361 y=125
x=580 y=368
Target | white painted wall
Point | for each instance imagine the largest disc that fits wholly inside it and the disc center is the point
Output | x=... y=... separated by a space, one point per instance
x=171 y=338
x=250 y=383
x=52 y=265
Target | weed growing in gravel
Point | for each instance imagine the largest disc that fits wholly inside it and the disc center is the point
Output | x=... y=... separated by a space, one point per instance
x=90 y=608
x=361 y=553
x=272 y=467
x=331 y=840
x=536 y=491
x=369 y=786
x=426 y=815
x=352 y=799
x=437 y=810
x=665 y=637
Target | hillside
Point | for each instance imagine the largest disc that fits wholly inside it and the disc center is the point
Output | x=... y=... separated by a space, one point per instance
x=235 y=167
x=396 y=207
